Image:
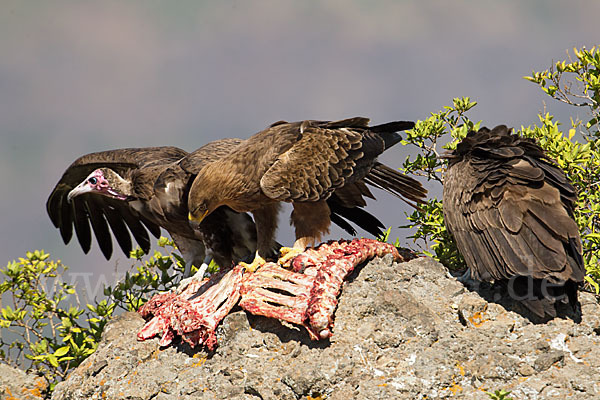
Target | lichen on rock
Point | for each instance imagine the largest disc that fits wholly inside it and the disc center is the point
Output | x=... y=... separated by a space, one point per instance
x=402 y=330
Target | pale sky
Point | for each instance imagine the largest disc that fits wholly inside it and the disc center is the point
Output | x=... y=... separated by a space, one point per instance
x=78 y=77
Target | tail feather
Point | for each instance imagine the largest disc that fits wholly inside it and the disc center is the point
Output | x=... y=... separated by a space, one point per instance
x=342 y=223
x=357 y=215
x=544 y=300
x=396 y=183
x=388 y=131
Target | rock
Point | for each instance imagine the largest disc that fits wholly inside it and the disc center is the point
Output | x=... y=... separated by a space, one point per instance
x=16 y=384
x=408 y=331
x=545 y=360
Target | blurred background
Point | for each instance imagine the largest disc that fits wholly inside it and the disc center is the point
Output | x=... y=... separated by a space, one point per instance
x=78 y=77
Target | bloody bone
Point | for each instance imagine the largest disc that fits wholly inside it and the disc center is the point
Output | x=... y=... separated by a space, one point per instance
x=194 y=313
x=313 y=293
x=306 y=296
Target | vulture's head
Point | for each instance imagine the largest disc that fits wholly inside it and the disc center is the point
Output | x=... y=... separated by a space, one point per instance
x=103 y=181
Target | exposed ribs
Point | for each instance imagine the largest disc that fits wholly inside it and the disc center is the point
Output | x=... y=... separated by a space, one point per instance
x=305 y=295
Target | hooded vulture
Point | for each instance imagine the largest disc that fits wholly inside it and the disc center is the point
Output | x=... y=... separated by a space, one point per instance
x=510 y=210
x=143 y=189
x=304 y=163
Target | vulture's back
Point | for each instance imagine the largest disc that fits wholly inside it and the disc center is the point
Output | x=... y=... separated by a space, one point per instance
x=510 y=210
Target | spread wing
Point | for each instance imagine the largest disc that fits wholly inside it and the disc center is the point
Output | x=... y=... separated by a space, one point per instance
x=100 y=213
x=510 y=210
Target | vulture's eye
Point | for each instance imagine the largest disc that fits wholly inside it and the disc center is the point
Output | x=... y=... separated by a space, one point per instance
x=93 y=181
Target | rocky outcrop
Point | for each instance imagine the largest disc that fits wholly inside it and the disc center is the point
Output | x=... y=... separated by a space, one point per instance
x=407 y=331
x=16 y=384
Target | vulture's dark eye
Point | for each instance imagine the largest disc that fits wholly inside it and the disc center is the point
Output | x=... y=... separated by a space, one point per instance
x=93 y=181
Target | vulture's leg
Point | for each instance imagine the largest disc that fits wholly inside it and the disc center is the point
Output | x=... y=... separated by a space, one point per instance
x=265 y=219
x=311 y=220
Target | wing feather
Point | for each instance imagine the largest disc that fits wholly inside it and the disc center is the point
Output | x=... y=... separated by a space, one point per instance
x=99 y=225
x=118 y=227
x=510 y=209
x=66 y=219
x=302 y=173
x=102 y=212
x=82 y=226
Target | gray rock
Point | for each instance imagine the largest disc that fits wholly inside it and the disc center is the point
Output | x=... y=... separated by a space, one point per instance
x=16 y=384
x=545 y=360
x=407 y=331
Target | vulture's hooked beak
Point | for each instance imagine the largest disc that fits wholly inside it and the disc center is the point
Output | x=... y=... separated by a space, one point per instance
x=80 y=189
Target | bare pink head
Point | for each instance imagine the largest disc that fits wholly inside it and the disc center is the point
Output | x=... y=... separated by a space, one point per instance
x=103 y=181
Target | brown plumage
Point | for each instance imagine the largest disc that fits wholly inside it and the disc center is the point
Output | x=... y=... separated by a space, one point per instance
x=305 y=163
x=147 y=188
x=510 y=210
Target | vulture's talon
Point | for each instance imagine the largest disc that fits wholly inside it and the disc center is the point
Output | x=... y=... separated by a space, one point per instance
x=288 y=254
x=256 y=264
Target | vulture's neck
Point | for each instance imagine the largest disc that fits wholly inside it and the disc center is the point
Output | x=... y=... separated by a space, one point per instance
x=121 y=185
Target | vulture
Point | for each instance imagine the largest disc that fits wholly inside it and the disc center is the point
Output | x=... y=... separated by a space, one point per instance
x=510 y=209
x=143 y=189
x=305 y=163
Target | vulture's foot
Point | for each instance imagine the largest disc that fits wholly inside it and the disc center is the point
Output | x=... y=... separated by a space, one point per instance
x=288 y=254
x=256 y=263
x=469 y=282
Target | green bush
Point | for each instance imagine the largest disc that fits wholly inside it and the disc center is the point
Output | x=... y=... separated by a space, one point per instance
x=46 y=329
x=575 y=82
x=55 y=336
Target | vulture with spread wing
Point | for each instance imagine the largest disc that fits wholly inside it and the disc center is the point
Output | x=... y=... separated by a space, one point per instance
x=305 y=163
x=510 y=210
x=143 y=189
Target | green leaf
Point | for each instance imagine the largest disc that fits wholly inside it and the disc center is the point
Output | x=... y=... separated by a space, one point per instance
x=52 y=360
x=593 y=283
x=61 y=351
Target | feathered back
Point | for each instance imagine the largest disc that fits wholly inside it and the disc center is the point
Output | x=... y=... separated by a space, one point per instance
x=510 y=209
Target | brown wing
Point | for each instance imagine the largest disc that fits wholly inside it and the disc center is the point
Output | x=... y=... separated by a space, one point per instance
x=324 y=157
x=103 y=213
x=208 y=153
x=510 y=210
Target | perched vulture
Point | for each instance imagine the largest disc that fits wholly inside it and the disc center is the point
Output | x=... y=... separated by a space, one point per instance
x=304 y=163
x=143 y=189
x=139 y=190
x=510 y=210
